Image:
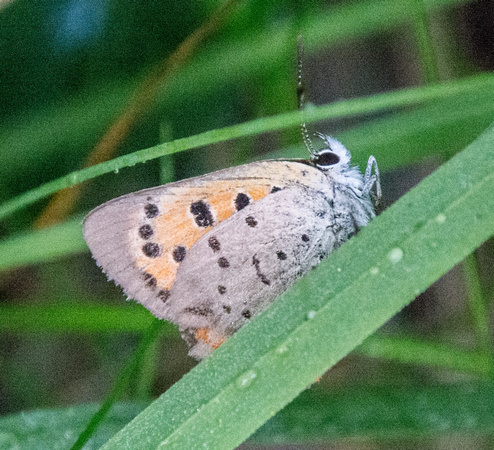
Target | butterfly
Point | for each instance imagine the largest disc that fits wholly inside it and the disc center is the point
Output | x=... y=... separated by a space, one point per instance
x=211 y=252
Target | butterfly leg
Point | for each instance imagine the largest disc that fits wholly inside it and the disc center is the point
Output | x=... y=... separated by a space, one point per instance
x=371 y=180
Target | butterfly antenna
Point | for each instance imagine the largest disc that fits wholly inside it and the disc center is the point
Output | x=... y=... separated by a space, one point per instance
x=301 y=99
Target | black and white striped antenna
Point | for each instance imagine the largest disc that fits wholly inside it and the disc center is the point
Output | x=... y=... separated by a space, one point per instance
x=300 y=97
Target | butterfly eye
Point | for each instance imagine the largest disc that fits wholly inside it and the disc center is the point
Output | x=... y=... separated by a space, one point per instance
x=327 y=159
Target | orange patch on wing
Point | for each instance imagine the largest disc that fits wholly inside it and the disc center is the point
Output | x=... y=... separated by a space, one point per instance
x=222 y=205
x=175 y=226
x=258 y=192
x=163 y=269
x=209 y=337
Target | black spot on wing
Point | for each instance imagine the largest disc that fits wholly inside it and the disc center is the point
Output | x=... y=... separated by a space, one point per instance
x=179 y=253
x=281 y=255
x=146 y=231
x=198 y=311
x=151 y=210
x=221 y=289
x=251 y=221
x=275 y=189
x=214 y=244
x=305 y=238
x=241 y=201
x=164 y=295
x=247 y=314
x=223 y=262
x=202 y=214
x=149 y=280
x=151 y=250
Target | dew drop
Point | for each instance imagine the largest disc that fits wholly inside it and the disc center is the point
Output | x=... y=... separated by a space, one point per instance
x=440 y=218
x=374 y=270
x=311 y=314
x=338 y=269
x=116 y=170
x=69 y=435
x=395 y=255
x=282 y=349
x=246 y=379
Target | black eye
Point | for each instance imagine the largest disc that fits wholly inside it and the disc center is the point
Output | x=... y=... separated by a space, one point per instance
x=327 y=159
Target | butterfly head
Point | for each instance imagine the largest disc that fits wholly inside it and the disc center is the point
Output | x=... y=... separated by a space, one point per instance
x=334 y=160
x=334 y=155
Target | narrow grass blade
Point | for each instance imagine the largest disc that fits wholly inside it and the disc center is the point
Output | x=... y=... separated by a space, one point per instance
x=331 y=311
x=390 y=413
x=42 y=245
x=371 y=104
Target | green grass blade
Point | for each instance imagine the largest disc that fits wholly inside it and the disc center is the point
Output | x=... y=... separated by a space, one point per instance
x=390 y=413
x=437 y=130
x=413 y=351
x=68 y=315
x=328 y=313
x=479 y=306
x=57 y=429
x=120 y=385
x=406 y=97
x=398 y=140
x=38 y=136
x=43 y=245
x=424 y=41
x=83 y=317
x=384 y=413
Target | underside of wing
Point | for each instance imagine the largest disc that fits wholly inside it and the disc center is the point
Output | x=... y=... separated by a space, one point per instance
x=141 y=239
x=239 y=267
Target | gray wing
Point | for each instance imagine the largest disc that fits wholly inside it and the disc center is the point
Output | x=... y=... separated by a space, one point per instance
x=122 y=232
x=235 y=270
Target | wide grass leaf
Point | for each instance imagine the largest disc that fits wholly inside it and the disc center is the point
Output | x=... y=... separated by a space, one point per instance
x=54 y=429
x=387 y=412
x=383 y=412
x=331 y=311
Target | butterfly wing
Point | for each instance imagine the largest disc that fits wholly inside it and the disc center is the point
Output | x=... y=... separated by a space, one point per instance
x=141 y=239
x=235 y=270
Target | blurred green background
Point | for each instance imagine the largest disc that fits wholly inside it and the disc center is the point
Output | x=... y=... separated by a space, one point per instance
x=70 y=68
